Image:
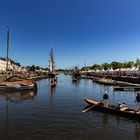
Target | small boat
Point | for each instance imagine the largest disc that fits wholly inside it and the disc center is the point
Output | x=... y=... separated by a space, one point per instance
x=24 y=84
x=95 y=79
x=107 y=81
x=15 y=82
x=76 y=74
x=10 y=87
x=97 y=105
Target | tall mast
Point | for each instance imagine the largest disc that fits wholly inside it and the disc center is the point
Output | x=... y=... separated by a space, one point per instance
x=7 y=58
x=7 y=47
x=52 y=62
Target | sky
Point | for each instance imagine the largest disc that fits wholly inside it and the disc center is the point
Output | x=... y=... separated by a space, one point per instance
x=81 y=32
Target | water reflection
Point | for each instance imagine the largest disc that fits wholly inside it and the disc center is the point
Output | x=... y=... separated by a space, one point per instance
x=14 y=97
x=52 y=92
x=7 y=121
x=105 y=120
x=76 y=83
x=53 y=82
x=45 y=114
x=137 y=131
x=111 y=120
x=18 y=96
x=52 y=89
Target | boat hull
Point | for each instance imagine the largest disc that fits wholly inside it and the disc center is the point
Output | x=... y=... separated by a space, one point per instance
x=111 y=109
x=18 y=87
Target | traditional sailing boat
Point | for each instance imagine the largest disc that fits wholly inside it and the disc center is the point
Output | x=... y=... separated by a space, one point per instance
x=20 y=84
x=52 y=72
x=76 y=74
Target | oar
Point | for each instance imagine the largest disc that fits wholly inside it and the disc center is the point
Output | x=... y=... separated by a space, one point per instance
x=85 y=110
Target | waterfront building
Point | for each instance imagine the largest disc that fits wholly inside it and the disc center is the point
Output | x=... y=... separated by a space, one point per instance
x=12 y=65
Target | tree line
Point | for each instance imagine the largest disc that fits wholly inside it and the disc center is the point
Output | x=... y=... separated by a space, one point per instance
x=34 y=68
x=113 y=65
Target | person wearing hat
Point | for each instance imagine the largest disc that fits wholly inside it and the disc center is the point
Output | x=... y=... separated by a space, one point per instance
x=137 y=100
x=105 y=99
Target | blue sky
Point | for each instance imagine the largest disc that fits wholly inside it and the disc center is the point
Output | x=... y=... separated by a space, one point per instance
x=79 y=31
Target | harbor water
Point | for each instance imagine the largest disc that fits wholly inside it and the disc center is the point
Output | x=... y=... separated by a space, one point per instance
x=56 y=113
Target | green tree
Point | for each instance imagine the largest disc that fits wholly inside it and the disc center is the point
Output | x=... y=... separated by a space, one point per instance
x=115 y=65
x=86 y=68
x=106 y=66
x=96 y=67
x=32 y=68
x=137 y=64
x=46 y=69
x=37 y=68
x=129 y=64
x=28 y=68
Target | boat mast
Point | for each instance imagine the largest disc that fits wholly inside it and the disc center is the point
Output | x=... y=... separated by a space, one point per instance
x=6 y=27
x=7 y=58
x=52 y=62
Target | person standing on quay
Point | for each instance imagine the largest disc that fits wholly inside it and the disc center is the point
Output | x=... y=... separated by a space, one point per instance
x=137 y=100
x=105 y=99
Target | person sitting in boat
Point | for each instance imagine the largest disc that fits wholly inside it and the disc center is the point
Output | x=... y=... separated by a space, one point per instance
x=105 y=99
x=137 y=100
x=118 y=107
x=121 y=106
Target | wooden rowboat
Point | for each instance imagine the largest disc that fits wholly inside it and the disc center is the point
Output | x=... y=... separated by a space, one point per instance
x=24 y=84
x=111 y=109
x=17 y=87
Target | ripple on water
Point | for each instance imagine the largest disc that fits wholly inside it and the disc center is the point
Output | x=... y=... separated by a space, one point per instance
x=57 y=114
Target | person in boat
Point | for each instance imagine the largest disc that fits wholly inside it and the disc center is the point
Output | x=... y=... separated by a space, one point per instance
x=121 y=106
x=105 y=99
x=118 y=107
x=137 y=100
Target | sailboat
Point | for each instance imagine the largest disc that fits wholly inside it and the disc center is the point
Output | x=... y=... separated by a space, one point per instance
x=10 y=84
x=52 y=73
x=76 y=74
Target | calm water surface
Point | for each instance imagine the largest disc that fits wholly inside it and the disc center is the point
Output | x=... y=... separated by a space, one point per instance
x=56 y=114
